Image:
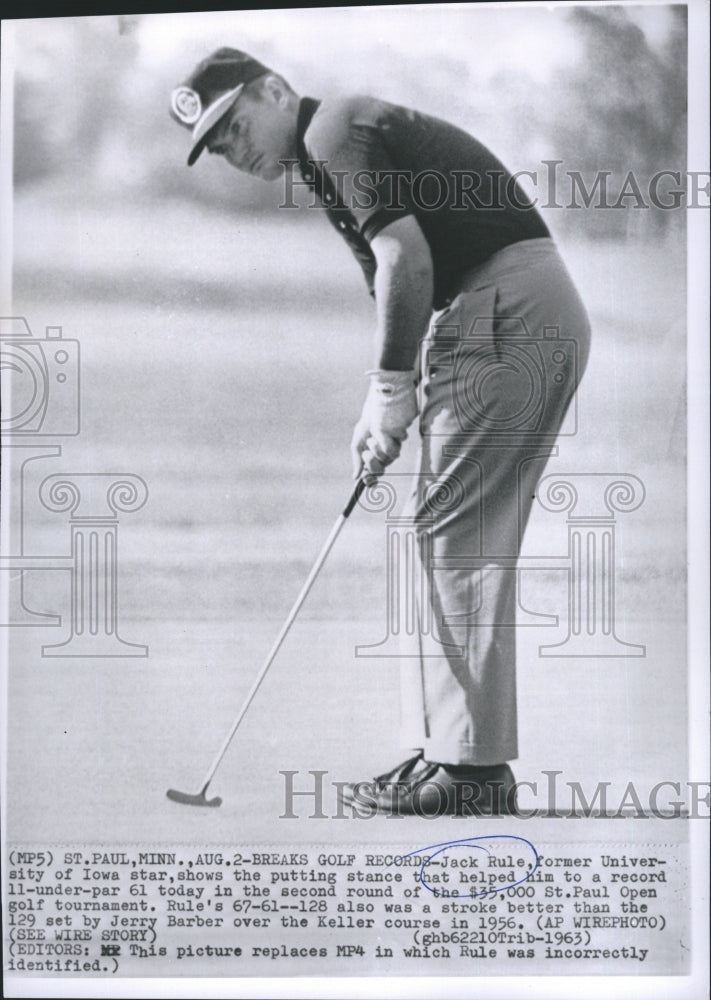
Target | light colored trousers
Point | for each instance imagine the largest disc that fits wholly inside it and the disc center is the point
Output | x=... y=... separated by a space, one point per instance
x=498 y=370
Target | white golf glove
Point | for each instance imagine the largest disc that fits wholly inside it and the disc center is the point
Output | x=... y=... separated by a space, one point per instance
x=390 y=407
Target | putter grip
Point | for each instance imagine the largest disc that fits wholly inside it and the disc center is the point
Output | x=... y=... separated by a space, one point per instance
x=355 y=497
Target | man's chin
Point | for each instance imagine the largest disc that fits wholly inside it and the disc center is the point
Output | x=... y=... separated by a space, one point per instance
x=270 y=171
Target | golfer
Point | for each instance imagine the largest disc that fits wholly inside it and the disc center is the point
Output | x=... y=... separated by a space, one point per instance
x=480 y=332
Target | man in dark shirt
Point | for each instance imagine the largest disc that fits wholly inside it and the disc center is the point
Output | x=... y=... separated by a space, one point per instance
x=480 y=331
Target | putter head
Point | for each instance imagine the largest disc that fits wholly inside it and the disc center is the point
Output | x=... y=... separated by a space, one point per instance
x=199 y=799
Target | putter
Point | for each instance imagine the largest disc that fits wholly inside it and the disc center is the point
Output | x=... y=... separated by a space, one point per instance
x=200 y=798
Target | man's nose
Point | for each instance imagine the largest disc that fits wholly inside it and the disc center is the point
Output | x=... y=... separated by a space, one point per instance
x=245 y=157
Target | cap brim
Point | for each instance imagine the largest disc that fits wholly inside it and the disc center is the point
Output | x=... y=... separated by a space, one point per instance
x=207 y=121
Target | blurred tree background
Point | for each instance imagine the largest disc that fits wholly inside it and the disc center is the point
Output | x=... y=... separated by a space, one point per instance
x=91 y=106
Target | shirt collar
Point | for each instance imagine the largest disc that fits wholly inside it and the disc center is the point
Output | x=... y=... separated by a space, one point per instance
x=307 y=109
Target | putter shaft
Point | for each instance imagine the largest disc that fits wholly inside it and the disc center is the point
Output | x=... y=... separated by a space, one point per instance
x=328 y=545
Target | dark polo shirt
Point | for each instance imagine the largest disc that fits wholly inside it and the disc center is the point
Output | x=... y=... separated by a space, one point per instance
x=370 y=162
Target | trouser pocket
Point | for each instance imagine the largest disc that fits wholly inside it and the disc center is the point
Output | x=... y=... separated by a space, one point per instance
x=456 y=354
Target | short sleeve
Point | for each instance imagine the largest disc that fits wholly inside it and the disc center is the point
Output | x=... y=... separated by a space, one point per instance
x=352 y=141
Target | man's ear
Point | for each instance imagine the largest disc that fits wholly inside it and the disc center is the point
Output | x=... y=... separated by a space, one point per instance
x=275 y=89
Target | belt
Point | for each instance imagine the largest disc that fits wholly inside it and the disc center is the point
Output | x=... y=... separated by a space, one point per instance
x=509 y=259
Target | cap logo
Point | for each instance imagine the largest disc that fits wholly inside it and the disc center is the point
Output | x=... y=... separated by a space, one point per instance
x=186 y=104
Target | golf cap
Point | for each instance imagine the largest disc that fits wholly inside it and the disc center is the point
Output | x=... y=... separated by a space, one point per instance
x=210 y=91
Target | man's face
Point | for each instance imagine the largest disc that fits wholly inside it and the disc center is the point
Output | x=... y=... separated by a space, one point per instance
x=258 y=132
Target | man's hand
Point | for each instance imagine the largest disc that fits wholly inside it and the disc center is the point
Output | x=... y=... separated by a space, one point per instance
x=390 y=407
